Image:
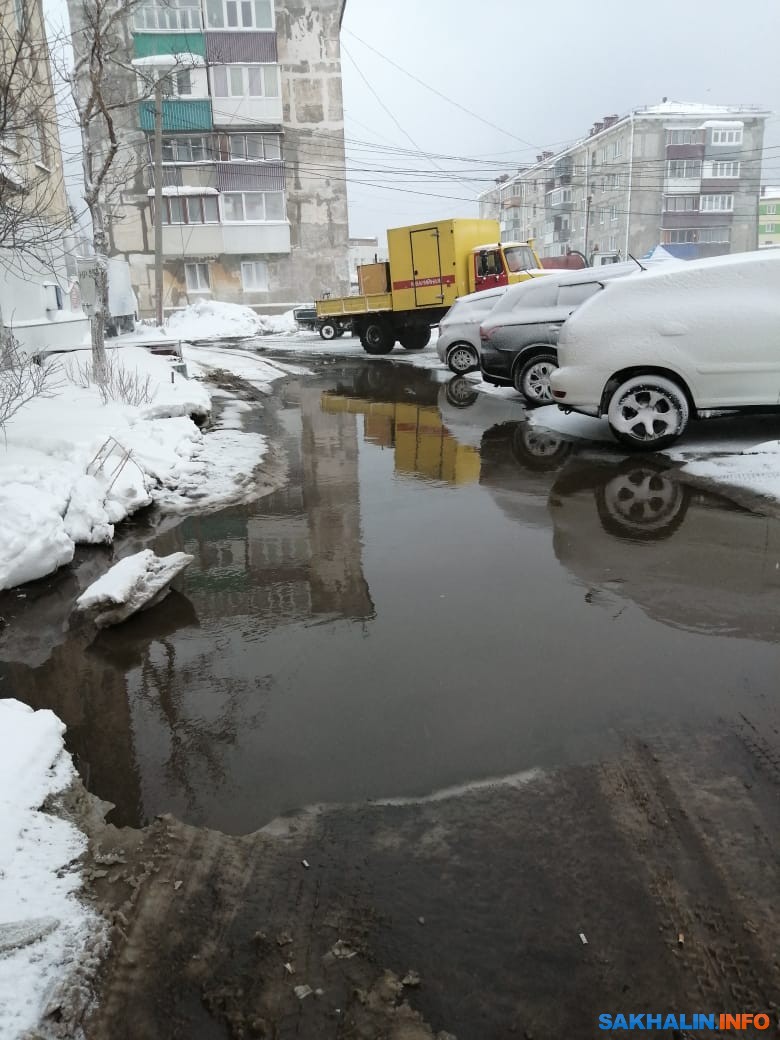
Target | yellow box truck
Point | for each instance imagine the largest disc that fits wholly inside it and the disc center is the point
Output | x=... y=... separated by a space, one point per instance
x=429 y=267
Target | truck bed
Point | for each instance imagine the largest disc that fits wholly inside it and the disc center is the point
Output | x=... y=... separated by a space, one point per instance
x=348 y=305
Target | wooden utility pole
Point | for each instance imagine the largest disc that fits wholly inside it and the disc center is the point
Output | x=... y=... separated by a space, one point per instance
x=158 y=200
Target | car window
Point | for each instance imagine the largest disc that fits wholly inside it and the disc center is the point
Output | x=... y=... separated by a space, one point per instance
x=574 y=295
x=527 y=294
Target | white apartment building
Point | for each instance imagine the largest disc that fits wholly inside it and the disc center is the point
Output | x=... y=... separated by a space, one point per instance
x=682 y=175
x=253 y=171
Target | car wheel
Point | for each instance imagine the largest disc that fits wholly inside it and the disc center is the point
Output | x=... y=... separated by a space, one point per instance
x=461 y=393
x=377 y=338
x=648 y=412
x=642 y=503
x=328 y=330
x=462 y=359
x=415 y=338
x=539 y=449
x=531 y=378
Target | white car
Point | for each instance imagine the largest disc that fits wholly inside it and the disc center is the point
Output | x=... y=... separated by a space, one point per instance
x=458 y=342
x=682 y=341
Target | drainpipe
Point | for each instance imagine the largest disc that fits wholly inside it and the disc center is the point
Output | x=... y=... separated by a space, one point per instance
x=630 y=182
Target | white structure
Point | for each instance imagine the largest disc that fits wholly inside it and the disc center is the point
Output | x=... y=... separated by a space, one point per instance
x=769 y=217
x=682 y=175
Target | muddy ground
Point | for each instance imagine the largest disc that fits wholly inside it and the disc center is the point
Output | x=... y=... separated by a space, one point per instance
x=463 y=914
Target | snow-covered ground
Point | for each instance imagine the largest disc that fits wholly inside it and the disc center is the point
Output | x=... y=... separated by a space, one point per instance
x=45 y=931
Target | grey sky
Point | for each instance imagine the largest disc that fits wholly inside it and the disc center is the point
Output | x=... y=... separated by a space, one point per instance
x=542 y=72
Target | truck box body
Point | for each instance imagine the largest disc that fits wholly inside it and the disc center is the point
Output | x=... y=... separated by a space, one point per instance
x=373 y=278
x=429 y=262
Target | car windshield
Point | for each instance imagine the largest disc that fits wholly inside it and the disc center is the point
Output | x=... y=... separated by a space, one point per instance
x=518 y=258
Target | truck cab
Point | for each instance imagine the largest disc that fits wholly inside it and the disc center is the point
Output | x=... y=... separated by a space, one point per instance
x=501 y=264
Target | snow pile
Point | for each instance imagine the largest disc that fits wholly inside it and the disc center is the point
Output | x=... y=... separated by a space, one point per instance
x=210 y=319
x=45 y=933
x=278 y=324
x=133 y=584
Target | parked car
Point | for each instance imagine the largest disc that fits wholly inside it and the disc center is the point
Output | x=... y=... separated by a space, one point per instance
x=329 y=328
x=458 y=342
x=683 y=340
x=518 y=338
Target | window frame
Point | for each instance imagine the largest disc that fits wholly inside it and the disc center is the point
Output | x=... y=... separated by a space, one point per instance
x=737 y=133
x=185 y=201
x=198 y=266
x=710 y=197
x=240 y=7
x=685 y=163
x=254 y=264
x=178 y=16
x=714 y=172
x=226 y=72
x=252 y=220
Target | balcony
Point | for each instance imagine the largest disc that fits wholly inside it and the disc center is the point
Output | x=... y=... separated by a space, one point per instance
x=247 y=111
x=560 y=199
x=178 y=114
x=563 y=235
x=147 y=44
x=197 y=240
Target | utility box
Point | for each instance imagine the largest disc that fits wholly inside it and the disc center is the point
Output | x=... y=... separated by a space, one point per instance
x=373 y=278
x=429 y=263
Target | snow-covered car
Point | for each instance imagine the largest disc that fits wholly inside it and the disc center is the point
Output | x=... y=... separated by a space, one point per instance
x=519 y=336
x=458 y=342
x=680 y=342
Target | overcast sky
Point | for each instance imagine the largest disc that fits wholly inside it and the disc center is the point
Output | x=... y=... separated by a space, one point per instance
x=541 y=73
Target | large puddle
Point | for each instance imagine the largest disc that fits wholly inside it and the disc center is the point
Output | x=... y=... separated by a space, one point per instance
x=437 y=595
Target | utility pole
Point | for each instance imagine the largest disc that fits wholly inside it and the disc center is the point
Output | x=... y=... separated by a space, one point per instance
x=158 y=200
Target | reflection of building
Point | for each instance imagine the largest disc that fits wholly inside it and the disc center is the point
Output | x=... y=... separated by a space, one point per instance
x=421 y=442
x=688 y=559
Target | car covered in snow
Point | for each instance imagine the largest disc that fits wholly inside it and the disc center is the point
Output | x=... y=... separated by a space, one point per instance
x=518 y=338
x=680 y=342
x=458 y=342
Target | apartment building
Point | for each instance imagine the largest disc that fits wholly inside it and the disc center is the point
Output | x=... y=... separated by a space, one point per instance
x=254 y=206
x=34 y=215
x=769 y=217
x=682 y=175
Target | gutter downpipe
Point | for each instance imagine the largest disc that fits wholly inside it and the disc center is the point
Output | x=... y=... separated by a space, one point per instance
x=630 y=183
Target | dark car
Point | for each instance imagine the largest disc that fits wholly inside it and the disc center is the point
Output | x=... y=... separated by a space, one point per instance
x=518 y=338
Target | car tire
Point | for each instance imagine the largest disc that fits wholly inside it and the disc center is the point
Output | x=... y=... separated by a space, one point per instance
x=377 y=338
x=531 y=378
x=328 y=330
x=417 y=337
x=460 y=392
x=462 y=358
x=648 y=412
x=641 y=503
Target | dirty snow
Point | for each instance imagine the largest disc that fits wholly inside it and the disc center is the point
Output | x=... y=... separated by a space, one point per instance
x=45 y=932
x=212 y=320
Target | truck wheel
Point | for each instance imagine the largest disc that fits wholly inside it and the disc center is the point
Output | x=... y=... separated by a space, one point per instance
x=328 y=330
x=415 y=338
x=377 y=338
x=340 y=331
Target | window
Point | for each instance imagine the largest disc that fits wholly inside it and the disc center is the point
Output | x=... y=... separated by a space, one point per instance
x=250 y=147
x=681 y=203
x=613 y=213
x=727 y=136
x=238 y=207
x=683 y=137
x=612 y=243
x=254 y=275
x=721 y=169
x=186 y=149
x=20 y=15
x=574 y=295
x=720 y=203
x=617 y=148
x=38 y=146
x=190 y=209
x=683 y=168
x=602 y=216
x=769 y=229
x=246 y=80
x=197 y=277
x=177 y=84
x=239 y=14
x=173 y=15
x=9 y=140
x=771 y=208
x=679 y=235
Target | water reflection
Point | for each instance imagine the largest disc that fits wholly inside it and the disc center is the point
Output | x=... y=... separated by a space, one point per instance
x=403 y=415
x=689 y=559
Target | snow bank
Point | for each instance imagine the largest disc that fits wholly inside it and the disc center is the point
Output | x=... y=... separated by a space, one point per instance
x=137 y=582
x=45 y=932
x=278 y=324
x=210 y=319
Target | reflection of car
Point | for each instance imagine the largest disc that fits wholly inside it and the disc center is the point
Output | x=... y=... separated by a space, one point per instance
x=652 y=352
x=691 y=560
x=458 y=342
x=519 y=336
x=467 y=413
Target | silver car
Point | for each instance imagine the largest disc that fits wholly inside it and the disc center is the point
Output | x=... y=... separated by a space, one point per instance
x=458 y=343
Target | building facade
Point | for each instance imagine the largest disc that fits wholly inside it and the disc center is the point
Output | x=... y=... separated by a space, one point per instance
x=769 y=217
x=254 y=206
x=35 y=221
x=685 y=176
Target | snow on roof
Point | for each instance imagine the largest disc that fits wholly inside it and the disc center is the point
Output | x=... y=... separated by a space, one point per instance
x=691 y=108
x=183 y=58
x=184 y=189
x=722 y=124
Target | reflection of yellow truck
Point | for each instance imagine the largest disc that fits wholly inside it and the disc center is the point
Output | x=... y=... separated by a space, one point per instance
x=430 y=266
